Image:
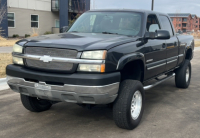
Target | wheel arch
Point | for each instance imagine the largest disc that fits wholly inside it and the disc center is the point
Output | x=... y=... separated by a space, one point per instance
x=189 y=53
x=189 y=50
x=132 y=66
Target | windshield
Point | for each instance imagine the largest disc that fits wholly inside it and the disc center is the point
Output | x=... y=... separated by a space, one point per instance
x=121 y=23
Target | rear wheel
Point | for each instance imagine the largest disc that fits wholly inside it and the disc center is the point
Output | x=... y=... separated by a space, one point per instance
x=183 y=75
x=129 y=105
x=34 y=104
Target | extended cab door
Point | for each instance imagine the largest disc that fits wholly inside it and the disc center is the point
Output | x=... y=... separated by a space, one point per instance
x=155 y=50
x=172 y=43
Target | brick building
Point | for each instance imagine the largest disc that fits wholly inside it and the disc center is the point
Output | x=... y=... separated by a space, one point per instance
x=185 y=22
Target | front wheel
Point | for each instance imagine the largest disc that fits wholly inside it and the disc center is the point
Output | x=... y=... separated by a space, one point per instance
x=34 y=104
x=183 y=75
x=129 y=105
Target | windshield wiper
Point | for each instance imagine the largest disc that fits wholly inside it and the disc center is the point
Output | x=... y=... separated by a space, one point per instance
x=74 y=31
x=109 y=33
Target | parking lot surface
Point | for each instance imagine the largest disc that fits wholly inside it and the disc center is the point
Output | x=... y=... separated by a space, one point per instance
x=169 y=113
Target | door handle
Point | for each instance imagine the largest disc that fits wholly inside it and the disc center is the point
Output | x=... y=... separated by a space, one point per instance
x=163 y=45
x=175 y=43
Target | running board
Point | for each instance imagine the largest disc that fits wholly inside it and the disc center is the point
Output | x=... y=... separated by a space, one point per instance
x=160 y=81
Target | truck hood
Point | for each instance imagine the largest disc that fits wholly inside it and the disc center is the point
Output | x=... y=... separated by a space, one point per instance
x=79 y=41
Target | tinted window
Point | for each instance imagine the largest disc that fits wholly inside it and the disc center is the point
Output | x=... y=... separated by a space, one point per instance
x=166 y=25
x=122 y=23
x=152 y=23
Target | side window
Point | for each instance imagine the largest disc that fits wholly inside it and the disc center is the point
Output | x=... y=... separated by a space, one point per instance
x=152 y=23
x=166 y=25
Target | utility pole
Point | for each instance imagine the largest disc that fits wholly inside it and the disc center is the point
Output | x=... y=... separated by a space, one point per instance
x=93 y=4
x=152 y=5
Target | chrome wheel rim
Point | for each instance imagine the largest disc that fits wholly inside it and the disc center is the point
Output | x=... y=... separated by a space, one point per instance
x=136 y=105
x=187 y=74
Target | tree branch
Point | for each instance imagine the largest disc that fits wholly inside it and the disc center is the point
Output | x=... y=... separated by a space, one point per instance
x=2 y=12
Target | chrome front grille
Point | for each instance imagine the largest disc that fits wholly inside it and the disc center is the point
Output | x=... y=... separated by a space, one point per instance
x=52 y=52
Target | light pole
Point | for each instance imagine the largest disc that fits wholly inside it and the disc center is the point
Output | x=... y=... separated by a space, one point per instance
x=152 y=5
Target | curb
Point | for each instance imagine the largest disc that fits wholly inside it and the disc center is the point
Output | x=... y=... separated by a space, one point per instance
x=196 y=48
x=3 y=80
x=3 y=84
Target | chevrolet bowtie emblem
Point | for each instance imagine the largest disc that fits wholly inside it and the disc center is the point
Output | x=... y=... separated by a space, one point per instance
x=46 y=59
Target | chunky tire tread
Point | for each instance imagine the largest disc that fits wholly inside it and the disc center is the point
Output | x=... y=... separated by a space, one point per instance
x=121 y=108
x=180 y=78
x=31 y=104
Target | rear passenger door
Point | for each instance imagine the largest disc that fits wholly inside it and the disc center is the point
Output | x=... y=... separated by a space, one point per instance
x=155 y=50
x=171 y=44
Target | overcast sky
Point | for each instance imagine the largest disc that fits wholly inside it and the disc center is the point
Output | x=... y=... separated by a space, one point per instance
x=166 y=6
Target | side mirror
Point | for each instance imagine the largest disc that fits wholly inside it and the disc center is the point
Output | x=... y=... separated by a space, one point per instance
x=64 y=29
x=158 y=34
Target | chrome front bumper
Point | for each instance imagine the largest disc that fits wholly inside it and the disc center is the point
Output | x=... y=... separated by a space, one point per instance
x=67 y=93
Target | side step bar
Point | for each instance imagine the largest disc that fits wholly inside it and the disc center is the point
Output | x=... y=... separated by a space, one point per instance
x=160 y=81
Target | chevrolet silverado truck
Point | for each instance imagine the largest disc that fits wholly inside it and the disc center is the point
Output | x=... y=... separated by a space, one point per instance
x=105 y=57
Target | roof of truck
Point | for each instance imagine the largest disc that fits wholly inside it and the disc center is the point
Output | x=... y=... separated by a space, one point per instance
x=132 y=10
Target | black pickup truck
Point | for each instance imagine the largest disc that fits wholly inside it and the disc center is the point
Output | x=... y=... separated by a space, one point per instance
x=105 y=57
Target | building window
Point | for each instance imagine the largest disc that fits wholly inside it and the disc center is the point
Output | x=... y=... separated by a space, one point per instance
x=196 y=21
x=179 y=19
x=184 y=19
x=57 y=25
x=55 y=5
x=11 y=19
x=179 y=25
x=35 y=21
x=184 y=25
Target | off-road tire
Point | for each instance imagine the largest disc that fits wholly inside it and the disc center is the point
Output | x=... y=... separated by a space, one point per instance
x=180 y=78
x=34 y=104
x=122 y=105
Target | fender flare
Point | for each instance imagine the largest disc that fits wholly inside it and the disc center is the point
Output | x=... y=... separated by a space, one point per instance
x=128 y=58
x=188 y=47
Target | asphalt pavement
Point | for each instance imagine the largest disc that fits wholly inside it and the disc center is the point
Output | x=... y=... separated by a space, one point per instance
x=170 y=112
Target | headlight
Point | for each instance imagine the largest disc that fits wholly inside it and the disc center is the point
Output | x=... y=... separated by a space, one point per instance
x=91 y=68
x=17 y=60
x=17 y=48
x=95 y=55
x=100 y=54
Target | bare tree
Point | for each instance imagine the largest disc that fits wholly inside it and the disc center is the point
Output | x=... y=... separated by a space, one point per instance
x=78 y=7
x=2 y=13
